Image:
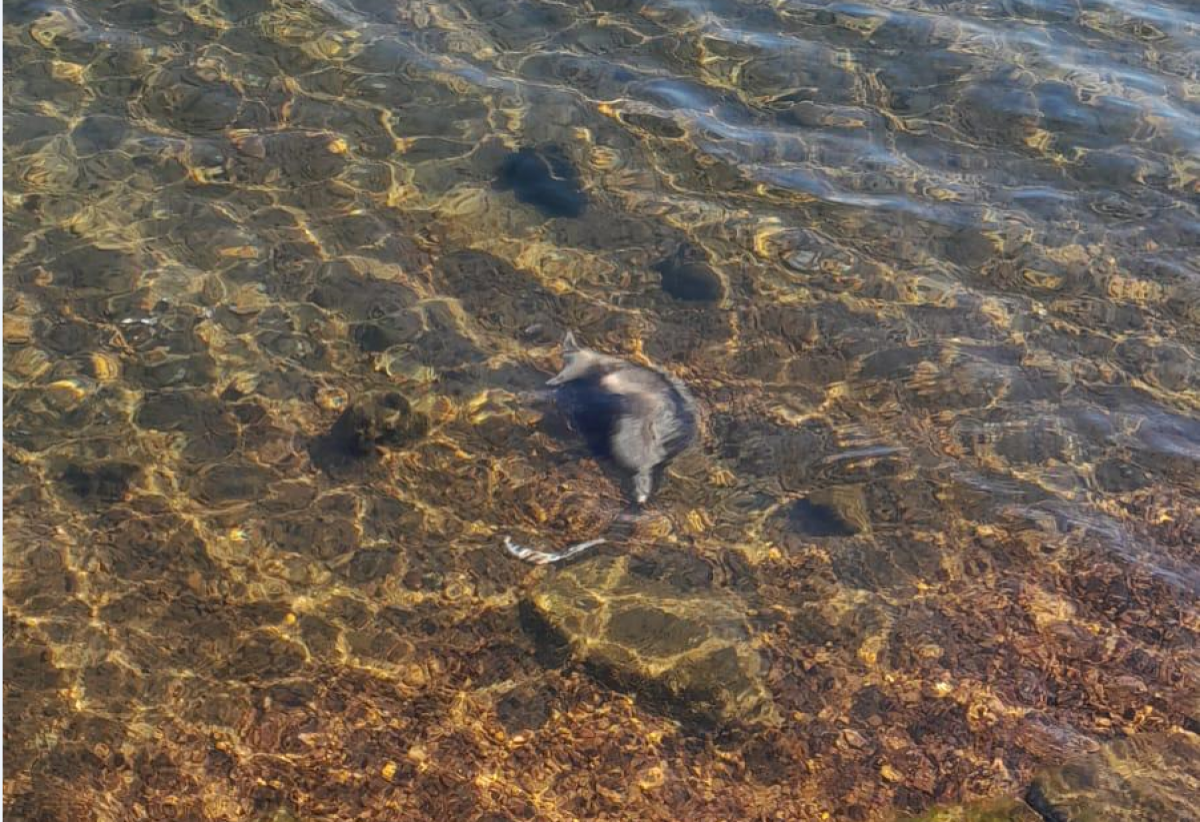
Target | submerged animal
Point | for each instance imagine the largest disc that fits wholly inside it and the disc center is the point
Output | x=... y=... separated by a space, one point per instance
x=638 y=417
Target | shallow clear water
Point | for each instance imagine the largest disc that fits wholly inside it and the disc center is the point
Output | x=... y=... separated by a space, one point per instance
x=929 y=267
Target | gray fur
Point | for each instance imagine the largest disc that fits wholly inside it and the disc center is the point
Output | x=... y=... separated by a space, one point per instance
x=657 y=420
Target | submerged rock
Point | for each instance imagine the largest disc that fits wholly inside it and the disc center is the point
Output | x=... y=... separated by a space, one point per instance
x=672 y=637
x=99 y=484
x=687 y=277
x=545 y=180
x=382 y=419
x=988 y=810
x=828 y=513
x=1144 y=778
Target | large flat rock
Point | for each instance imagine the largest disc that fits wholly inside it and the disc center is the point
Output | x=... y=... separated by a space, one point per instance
x=1145 y=778
x=989 y=810
x=665 y=632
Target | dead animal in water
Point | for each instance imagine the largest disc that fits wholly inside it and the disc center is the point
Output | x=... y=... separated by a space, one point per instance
x=638 y=417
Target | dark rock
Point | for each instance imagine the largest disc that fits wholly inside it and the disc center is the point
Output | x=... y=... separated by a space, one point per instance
x=295 y=693
x=687 y=277
x=98 y=132
x=1144 y=778
x=812 y=519
x=69 y=337
x=388 y=331
x=1118 y=476
x=367 y=566
x=88 y=269
x=545 y=180
x=175 y=372
x=382 y=419
x=297 y=348
x=184 y=101
x=830 y=512
x=103 y=483
x=685 y=648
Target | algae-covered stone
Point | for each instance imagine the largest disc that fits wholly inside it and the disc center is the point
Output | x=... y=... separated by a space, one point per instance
x=673 y=638
x=988 y=810
x=1146 y=778
x=376 y=419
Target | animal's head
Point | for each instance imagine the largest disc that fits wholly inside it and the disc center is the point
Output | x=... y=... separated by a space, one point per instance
x=577 y=361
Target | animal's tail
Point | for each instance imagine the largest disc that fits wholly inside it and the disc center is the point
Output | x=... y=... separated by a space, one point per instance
x=545 y=558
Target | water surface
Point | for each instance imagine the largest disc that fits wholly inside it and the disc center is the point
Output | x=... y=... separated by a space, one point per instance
x=930 y=267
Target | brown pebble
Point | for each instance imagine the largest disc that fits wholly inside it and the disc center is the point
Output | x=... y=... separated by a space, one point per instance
x=332 y=399
x=18 y=329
